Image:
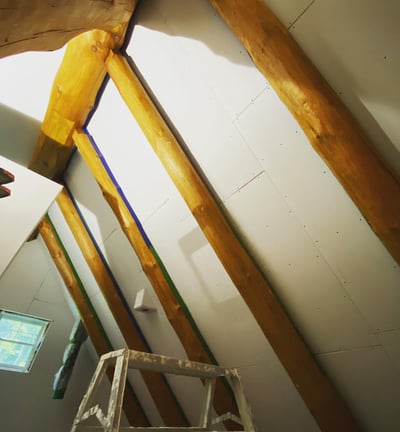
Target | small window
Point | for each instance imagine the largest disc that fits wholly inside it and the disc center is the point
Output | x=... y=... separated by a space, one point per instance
x=20 y=339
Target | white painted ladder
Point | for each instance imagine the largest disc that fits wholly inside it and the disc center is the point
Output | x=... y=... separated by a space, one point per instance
x=124 y=359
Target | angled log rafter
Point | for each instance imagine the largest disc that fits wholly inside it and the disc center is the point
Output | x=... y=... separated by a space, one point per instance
x=190 y=340
x=316 y=390
x=331 y=128
x=161 y=393
x=102 y=345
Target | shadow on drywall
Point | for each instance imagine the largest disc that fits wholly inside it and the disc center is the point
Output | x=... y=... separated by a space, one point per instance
x=18 y=135
x=200 y=22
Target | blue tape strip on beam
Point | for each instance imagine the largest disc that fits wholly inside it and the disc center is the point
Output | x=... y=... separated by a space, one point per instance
x=120 y=191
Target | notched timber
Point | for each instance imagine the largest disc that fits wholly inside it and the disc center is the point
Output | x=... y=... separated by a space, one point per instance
x=72 y=97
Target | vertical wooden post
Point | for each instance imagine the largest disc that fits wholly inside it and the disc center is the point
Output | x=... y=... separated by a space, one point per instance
x=318 y=393
x=331 y=128
x=132 y=408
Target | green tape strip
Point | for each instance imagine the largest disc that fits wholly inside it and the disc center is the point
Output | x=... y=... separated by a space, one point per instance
x=182 y=304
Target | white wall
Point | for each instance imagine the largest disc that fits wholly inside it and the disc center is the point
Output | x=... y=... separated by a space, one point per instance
x=31 y=285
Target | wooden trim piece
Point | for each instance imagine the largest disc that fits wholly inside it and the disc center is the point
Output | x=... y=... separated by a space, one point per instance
x=161 y=393
x=132 y=408
x=319 y=395
x=331 y=128
x=72 y=97
x=193 y=346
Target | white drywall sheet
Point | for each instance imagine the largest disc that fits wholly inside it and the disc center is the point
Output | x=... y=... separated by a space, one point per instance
x=31 y=196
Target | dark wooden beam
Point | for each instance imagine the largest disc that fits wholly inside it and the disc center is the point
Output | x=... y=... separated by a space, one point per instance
x=190 y=339
x=132 y=408
x=161 y=393
x=315 y=388
x=331 y=128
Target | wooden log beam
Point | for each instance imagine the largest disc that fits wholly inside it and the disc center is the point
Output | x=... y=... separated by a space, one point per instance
x=45 y=26
x=331 y=128
x=72 y=97
x=318 y=393
x=102 y=345
x=158 y=387
x=189 y=337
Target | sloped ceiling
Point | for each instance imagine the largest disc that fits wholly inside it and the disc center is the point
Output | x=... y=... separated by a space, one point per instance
x=338 y=283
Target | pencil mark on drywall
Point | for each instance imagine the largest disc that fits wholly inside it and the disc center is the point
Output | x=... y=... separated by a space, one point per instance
x=304 y=11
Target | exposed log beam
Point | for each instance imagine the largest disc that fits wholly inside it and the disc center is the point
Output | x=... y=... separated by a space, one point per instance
x=190 y=339
x=318 y=393
x=46 y=26
x=158 y=387
x=331 y=128
x=132 y=408
x=72 y=97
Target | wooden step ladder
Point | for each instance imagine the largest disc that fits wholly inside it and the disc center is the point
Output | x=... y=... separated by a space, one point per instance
x=124 y=359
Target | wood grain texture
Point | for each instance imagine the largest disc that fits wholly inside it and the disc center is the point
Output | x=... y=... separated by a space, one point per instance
x=72 y=97
x=158 y=387
x=223 y=401
x=315 y=388
x=132 y=408
x=331 y=128
x=45 y=26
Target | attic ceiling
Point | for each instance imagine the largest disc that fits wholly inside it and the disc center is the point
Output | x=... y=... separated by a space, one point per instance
x=316 y=108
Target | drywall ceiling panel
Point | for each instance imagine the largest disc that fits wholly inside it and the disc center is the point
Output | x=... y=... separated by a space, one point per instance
x=23 y=277
x=288 y=11
x=391 y=343
x=276 y=399
x=206 y=49
x=128 y=154
x=315 y=299
x=371 y=385
x=355 y=44
x=28 y=79
x=340 y=233
x=205 y=126
x=91 y=203
x=19 y=134
x=73 y=250
x=222 y=316
x=31 y=196
x=126 y=269
x=49 y=290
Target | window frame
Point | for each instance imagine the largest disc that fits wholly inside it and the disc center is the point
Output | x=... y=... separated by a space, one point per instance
x=35 y=346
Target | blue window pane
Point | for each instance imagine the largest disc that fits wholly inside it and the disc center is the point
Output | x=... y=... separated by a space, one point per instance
x=20 y=338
